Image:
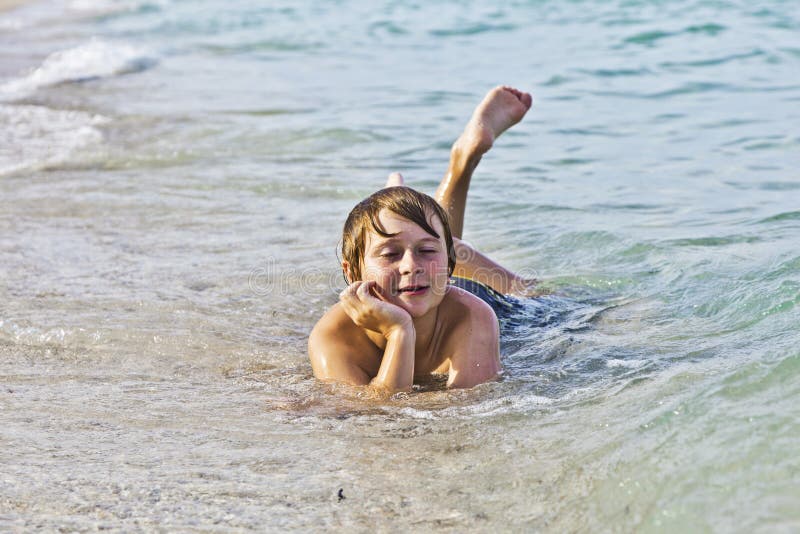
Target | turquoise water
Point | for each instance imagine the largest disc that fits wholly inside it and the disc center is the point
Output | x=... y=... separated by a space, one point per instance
x=173 y=179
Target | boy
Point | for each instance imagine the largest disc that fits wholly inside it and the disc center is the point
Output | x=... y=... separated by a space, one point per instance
x=400 y=318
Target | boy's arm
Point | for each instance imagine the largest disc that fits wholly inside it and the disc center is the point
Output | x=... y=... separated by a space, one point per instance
x=329 y=351
x=397 y=365
x=334 y=355
x=341 y=351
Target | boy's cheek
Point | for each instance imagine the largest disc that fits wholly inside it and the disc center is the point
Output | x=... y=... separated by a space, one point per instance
x=372 y=272
x=440 y=270
x=383 y=283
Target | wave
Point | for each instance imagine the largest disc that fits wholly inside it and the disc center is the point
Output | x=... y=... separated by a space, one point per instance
x=89 y=61
x=36 y=136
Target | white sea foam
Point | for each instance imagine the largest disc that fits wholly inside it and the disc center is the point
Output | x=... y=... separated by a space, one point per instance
x=95 y=59
x=490 y=407
x=56 y=336
x=36 y=136
x=629 y=364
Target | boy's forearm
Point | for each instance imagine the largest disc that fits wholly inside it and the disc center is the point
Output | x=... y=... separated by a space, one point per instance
x=396 y=372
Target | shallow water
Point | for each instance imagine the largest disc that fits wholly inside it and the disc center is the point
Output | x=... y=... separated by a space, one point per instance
x=173 y=178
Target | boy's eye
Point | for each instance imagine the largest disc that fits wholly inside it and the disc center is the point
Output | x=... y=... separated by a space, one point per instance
x=429 y=251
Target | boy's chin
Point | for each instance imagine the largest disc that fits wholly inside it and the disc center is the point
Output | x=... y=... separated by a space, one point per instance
x=418 y=309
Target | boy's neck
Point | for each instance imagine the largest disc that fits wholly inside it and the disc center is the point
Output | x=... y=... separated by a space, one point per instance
x=425 y=327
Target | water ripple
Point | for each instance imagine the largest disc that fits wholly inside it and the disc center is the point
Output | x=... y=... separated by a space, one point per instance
x=269 y=45
x=713 y=61
x=616 y=73
x=713 y=241
x=785 y=216
x=472 y=29
x=650 y=38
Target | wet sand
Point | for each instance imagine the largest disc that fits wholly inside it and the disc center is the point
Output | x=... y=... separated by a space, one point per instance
x=8 y=5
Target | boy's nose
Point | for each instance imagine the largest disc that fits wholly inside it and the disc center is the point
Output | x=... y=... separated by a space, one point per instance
x=409 y=264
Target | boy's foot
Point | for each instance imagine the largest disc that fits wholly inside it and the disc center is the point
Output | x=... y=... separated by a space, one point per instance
x=502 y=108
x=395 y=179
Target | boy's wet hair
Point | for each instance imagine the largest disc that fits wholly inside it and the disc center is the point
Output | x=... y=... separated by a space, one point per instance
x=407 y=203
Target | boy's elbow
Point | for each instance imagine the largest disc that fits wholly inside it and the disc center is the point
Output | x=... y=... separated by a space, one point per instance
x=467 y=378
x=329 y=365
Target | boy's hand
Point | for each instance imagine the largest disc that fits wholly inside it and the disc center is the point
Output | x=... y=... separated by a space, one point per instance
x=373 y=313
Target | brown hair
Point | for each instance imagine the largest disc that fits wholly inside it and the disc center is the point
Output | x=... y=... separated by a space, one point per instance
x=405 y=202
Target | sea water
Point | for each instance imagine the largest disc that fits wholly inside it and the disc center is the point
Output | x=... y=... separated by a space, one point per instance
x=173 y=180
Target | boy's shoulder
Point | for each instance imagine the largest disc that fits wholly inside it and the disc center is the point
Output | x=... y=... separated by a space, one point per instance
x=336 y=342
x=335 y=322
x=461 y=306
x=471 y=343
x=466 y=317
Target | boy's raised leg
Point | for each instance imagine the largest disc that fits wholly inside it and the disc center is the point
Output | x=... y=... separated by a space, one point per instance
x=502 y=108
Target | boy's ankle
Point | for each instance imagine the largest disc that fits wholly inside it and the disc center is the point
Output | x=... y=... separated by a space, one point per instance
x=467 y=152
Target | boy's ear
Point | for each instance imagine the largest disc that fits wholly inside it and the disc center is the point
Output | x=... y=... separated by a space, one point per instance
x=346 y=271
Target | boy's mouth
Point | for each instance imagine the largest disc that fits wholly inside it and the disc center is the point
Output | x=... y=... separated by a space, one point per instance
x=413 y=290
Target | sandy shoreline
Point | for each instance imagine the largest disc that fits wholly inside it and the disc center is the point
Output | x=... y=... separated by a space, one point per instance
x=8 y=5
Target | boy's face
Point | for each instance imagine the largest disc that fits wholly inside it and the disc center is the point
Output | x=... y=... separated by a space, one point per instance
x=410 y=268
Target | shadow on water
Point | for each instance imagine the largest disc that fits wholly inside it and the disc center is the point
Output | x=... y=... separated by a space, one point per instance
x=551 y=347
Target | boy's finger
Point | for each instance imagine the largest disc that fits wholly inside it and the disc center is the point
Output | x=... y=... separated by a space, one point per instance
x=350 y=310
x=378 y=293
x=349 y=293
x=352 y=288
x=364 y=289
